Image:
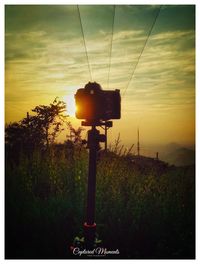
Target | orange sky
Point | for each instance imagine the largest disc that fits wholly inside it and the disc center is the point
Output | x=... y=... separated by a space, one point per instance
x=45 y=58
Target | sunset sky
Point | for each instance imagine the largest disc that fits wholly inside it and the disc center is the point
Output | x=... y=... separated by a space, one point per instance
x=45 y=57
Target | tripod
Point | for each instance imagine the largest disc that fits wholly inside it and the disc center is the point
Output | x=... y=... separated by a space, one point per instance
x=93 y=144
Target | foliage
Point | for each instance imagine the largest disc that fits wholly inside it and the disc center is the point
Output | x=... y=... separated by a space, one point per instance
x=143 y=213
x=35 y=132
x=39 y=129
x=75 y=134
x=50 y=117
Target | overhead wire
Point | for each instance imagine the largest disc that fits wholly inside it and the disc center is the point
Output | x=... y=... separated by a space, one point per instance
x=143 y=48
x=86 y=52
x=111 y=43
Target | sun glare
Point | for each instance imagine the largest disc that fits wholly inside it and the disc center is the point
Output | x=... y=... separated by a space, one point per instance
x=70 y=104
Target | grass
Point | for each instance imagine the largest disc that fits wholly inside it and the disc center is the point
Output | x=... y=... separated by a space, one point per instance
x=143 y=213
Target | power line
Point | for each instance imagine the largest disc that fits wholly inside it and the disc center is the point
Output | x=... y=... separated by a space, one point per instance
x=145 y=43
x=111 y=42
x=86 y=53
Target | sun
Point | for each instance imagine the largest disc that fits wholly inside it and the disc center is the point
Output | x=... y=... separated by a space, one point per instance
x=70 y=104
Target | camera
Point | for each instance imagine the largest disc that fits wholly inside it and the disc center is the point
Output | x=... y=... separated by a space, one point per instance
x=93 y=103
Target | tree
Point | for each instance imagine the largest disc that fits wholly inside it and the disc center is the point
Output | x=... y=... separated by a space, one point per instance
x=36 y=130
x=49 y=119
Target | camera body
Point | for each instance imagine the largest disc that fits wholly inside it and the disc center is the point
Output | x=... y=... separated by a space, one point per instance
x=93 y=103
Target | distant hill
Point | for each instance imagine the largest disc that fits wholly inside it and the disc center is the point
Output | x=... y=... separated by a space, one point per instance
x=179 y=156
x=172 y=147
x=147 y=165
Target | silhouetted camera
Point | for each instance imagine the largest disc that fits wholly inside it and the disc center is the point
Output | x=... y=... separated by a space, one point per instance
x=93 y=103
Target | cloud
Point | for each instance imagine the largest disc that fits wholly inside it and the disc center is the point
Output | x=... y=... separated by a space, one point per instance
x=46 y=55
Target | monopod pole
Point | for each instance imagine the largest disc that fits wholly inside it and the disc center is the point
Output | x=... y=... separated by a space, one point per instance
x=106 y=129
x=90 y=225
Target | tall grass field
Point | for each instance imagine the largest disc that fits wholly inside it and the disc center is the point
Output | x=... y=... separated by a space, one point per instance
x=143 y=211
